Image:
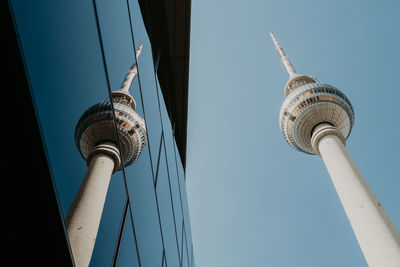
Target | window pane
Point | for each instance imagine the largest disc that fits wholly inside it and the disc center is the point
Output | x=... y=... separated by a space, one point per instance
x=117 y=41
x=192 y=258
x=147 y=81
x=144 y=207
x=166 y=123
x=62 y=92
x=166 y=213
x=127 y=253
x=185 y=259
x=172 y=170
x=175 y=188
x=110 y=222
x=182 y=184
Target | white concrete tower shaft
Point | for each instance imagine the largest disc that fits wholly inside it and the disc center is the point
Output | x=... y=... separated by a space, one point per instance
x=376 y=234
x=317 y=118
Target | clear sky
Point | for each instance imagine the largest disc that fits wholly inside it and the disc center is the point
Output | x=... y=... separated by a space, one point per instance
x=254 y=200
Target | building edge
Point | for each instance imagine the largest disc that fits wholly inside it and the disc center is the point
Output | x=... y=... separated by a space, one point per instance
x=168 y=26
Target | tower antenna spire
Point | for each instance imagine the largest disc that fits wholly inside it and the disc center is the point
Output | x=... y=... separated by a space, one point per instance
x=285 y=60
x=131 y=73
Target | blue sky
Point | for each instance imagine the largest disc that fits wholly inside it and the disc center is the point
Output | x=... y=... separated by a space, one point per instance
x=254 y=200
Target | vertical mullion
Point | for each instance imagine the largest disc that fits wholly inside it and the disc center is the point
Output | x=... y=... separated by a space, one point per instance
x=158 y=160
x=121 y=230
x=172 y=204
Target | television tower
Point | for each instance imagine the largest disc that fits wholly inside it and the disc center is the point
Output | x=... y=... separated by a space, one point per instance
x=100 y=131
x=317 y=118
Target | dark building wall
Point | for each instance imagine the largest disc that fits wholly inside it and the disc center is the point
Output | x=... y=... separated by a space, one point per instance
x=33 y=229
x=168 y=23
x=75 y=54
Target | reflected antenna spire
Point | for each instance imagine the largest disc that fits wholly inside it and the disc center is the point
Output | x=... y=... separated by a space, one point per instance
x=131 y=73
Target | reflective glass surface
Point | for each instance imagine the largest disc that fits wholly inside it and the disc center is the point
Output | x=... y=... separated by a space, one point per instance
x=76 y=54
x=182 y=184
x=127 y=254
x=172 y=171
x=62 y=92
x=147 y=80
x=167 y=213
x=144 y=208
x=185 y=259
x=169 y=142
x=117 y=42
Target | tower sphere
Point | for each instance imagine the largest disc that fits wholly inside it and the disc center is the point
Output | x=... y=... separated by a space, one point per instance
x=97 y=126
x=309 y=103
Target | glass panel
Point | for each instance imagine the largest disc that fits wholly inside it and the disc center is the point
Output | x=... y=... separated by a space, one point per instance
x=182 y=240
x=127 y=254
x=175 y=188
x=164 y=264
x=192 y=258
x=117 y=41
x=144 y=208
x=185 y=207
x=147 y=80
x=185 y=259
x=188 y=259
x=62 y=92
x=166 y=213
x=171 y=163
x=110 y=222
x=166 y=123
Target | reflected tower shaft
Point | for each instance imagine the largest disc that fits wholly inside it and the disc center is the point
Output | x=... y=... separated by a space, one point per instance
x=110 y=136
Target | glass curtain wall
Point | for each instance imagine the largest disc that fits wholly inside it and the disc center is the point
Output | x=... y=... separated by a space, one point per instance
x=76 y=53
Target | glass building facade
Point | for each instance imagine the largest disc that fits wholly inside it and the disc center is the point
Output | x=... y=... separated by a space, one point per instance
x=75 y=54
